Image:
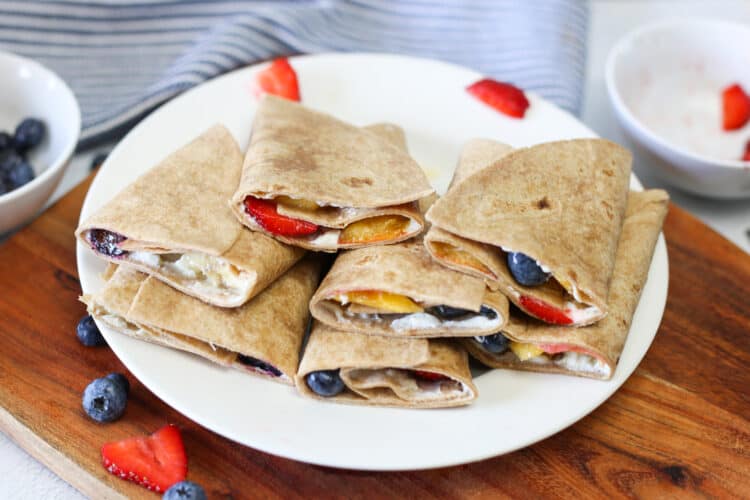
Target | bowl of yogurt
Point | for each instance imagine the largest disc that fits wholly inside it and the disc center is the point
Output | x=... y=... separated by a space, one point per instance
x=665 y=83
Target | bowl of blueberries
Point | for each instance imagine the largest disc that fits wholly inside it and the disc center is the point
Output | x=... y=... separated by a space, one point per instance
x=40 y=123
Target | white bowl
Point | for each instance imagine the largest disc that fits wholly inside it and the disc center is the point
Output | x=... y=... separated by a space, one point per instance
x=28 y=89
x=665 y=82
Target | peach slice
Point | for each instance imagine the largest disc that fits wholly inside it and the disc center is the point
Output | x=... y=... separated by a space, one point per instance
x=382 y=301
x=299 y=204
x=374 y=229
x=459 y=257
x=524 y=351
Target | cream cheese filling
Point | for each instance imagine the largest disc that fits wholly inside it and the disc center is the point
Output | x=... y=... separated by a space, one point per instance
x=419 y=320
x=573 y=361
x=206 y=274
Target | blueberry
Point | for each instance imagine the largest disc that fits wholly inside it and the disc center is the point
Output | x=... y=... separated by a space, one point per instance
x=525 y=270
x=488 y=312
x=260 y=365
x=496 y=343
x=119 y=378
x=29 y=133
x=105 y=242
x=105 y=399
x=6 y=141
x=325 y=383
x=14 y=170
x=185 y=490
x=88 y=333
x=448 y=312
x=98 y=160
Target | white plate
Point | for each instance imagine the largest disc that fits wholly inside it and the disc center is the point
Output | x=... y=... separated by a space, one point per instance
x=428 y=99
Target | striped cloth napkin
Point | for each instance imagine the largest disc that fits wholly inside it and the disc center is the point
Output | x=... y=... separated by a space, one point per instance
x=124 y=57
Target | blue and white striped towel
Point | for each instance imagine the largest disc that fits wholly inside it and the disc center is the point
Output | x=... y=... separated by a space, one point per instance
x=122 y=58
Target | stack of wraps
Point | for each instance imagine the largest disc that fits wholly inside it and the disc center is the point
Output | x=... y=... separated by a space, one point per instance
x=262 y=337
x=318 y=183
x=174 y=223
x=572 y=225
x=560 y=203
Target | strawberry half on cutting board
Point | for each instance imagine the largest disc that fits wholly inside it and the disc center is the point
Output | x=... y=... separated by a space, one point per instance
x=279 y=79
x=156 y=462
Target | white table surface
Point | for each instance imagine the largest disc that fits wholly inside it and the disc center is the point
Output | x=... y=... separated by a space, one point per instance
x=22 y=477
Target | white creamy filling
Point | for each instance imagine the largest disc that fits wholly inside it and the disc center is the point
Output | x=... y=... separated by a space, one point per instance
x=205 y=273
x=573 y=361
x=581 y=314
x=426 y=321
x=327 y=238
x=580 y=362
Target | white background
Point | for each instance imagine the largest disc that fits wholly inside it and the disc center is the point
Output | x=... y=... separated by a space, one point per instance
x=23 y=477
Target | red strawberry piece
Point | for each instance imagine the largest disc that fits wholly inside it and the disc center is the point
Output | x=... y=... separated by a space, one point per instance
x=504 y=97
x=157 y=461
x=736 y=106
x=544 y=311
x=431 y=376
x=280 y=80
x=265 y=214
x=746 y=156
x=556 y=348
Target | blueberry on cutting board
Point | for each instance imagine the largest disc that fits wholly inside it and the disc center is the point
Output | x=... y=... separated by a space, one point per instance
x=104 y=399
x=88 y=333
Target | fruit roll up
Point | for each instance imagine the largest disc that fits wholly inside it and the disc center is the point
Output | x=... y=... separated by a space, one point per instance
x=263 y=337
x=383 y=371
x=400 y=291
x=591 y=351
x=558 y=205
x=174 y=223
x=316 y=182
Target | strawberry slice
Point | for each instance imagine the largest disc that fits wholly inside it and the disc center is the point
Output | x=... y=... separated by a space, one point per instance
x=746 y=156
x=157 y=461
x=504 y=97
x=431 y=376
x=264 y=212
x=544 y=311
x=736 y=106
x=279 y=79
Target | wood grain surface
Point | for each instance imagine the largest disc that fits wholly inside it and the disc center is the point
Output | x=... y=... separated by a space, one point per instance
x=679 y=427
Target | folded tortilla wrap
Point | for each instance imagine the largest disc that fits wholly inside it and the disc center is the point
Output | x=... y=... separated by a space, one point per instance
x=560 y=203
x=380 y=371
x=316 y=182
x=263 y=337
x=398 y=290
x=591 y=351
x=174 y=223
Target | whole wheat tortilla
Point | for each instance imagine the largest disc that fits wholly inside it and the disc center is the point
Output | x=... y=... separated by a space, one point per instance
x=643 y=221
x=356 y=173
x=403 y=269
x=269 y=328
x=180 y=206
x=561 y=203
x=364 y=360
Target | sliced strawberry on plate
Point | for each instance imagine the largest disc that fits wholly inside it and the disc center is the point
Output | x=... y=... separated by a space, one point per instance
x=736 y=107
x=504 y=97
x=431 y=376
x=157 y=461
x=265 y=214
x=279 y=79
x=746 y=156
x=544 y=311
